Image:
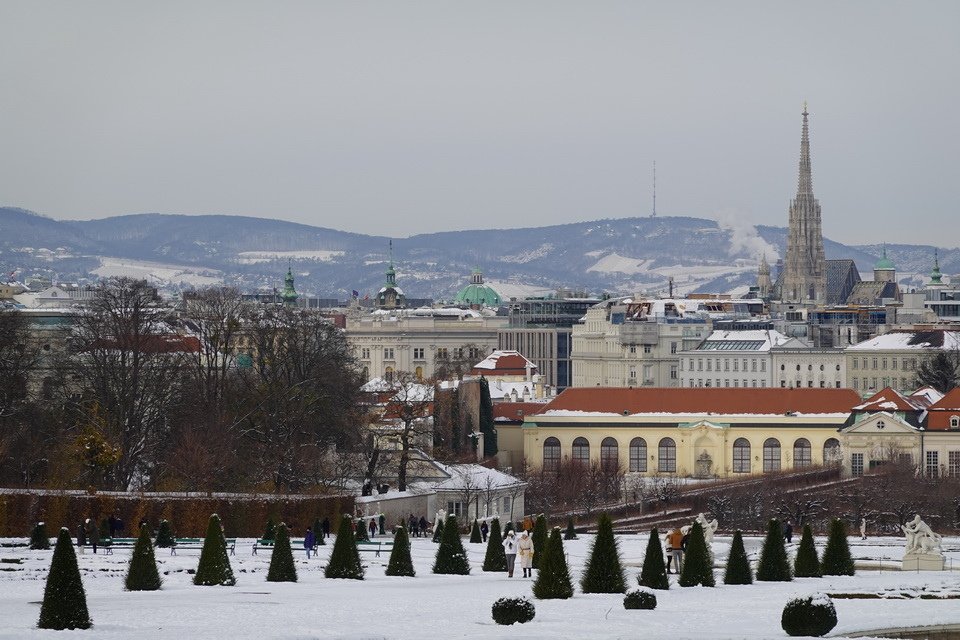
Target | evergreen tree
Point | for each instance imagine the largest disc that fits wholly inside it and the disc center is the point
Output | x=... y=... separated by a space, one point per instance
x=165 y=537
x=738 y=565
x=806 y=564
x=318 y=532
x=400 y=562
x=142 y=574
x=539 y=539
x=361 y=532
x=214 y=567
x=64 y=600
x=571 y=532
x=553 y=578
x=451 y=558
x=270 y=530
x=697 y=566
x=941 y=372
x=282 y=568
x=604 y=571
x=344 y=559
x=475 y=535
x=495 y=558
x=837 y=560
x=438 y=531
x=774 y=565
x=486 y=421
x=38 y=536
x=654 y=571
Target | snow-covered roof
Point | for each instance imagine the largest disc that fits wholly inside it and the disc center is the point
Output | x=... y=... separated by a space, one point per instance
x=513 y=361
x=749 y=340
x=377 y=385
x=475 y=476
x=910 y=340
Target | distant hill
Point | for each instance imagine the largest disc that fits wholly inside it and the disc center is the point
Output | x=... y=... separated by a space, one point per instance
x=614 y=255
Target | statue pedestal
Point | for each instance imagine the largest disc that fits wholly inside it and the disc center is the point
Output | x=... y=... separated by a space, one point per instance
x=923 y=562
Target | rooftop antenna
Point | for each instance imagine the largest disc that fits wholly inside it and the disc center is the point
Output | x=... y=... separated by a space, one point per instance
x=654 y=214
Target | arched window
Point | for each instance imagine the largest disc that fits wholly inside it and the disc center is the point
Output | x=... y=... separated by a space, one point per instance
x=771 y=455
x=831 y=451
x=419 y=373
x=388 y=375
x=551 y=455
x=667 y=456
x=955 y=422
x=366 y=373
x=741 y=455
x=801 y=454
x=609 y=454
x=638 y=455
x=581 y=451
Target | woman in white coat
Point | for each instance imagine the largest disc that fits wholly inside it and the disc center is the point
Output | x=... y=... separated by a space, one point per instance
x=510 y=549
x=525 y=549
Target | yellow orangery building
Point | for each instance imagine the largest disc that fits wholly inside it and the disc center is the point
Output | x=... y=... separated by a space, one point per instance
x=700 y=432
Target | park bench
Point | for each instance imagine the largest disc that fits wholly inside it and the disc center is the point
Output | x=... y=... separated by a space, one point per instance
x=197 y=543
x=109 y=544
x=375 y=545
x=295 y=543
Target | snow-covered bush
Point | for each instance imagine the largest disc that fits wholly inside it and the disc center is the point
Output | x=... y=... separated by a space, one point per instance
x=511 y=610
x=640 y=599
x=810 y=616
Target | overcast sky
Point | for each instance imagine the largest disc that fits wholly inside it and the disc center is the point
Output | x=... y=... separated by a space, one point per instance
x=407 y=117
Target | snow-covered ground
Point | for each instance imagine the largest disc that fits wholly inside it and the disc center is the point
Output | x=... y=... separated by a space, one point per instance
x=437 y=607
x=157 y=272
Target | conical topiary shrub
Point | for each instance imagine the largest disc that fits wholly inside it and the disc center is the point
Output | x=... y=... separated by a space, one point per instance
x=738 y=565
x=318 y=533
x=571 y=532
x=270 y=530
x=344 y=558
x=774 y=566
x=451 y=558
x=165 y=537
x=361 y=533
x=495 y=558
x=697 y=566
x=539 y=539
x=837 y=560
x=438 y=531
x=38 y=536
x=604 y=571
x=142 y=574
x=64 y=600
x=553 y=578
x=214 y=567
x=282 y=568
x=475 y=536
x=806 y=564
x=654 y=571
x=400 y=562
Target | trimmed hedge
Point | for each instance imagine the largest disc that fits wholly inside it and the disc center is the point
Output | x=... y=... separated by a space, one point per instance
x=774 y=565
x=495 y=558
x=344 y=559
x=64 y=600
x=810 y=616
x=214 y=567
x=553 y=577
x=640 y=599
x=653 y=575
x=604 y=570
x=837 y=560
x=697 y=566
x=282 y=568
x=513 y=611
x=806 y=564
x=738 y=565
x=400 y=562
x=142 y=574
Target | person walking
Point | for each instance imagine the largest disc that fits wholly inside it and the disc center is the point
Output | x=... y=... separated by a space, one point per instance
x=93 y=534
x=82 y=536
x=412 y=526
x=309 y=540
x=863 y=528
x=382 y=521
x=423 y=527
x=326 y=527
x=373 y=528
x=484 y=530
x=788 y=532
x=510 y=550
x=675 y=549
x=525 y=550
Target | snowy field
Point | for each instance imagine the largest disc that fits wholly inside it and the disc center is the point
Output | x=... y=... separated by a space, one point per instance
x=439 y=607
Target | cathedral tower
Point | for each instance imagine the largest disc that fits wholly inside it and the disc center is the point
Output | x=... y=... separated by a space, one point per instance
x=804 y=268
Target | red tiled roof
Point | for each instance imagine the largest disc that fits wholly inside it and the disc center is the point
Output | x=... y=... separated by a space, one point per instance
x=503 y=363
x=951 y=401
x=883 y=399
x=152 y=344
x=514 y=411
x=939 y=413
x=734 y=401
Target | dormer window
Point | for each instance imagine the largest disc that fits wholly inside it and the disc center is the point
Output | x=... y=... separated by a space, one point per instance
x=955 y=422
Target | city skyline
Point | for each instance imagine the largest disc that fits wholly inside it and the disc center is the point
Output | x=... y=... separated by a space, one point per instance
x=377 y=119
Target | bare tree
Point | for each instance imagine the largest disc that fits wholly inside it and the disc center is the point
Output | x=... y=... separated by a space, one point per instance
x=410 y=409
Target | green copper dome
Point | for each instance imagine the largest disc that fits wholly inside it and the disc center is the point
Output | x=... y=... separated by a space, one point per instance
x=477 y=293
x=885 y=263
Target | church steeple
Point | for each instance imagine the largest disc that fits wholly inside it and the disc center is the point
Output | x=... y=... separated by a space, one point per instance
x=936 y=278
x=804 y=269
x=289 y=295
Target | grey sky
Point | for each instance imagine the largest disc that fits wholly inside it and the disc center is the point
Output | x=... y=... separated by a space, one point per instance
x=406 y=117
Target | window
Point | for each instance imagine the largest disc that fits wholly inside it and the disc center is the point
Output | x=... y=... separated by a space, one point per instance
x=710 y=365
x=856 y=464
x=365 y=353
x=763 y=365
x=856 y=383
x=874 y=363
x=418 y=353
x=801 y=454
x=419 y=373
x=771 y=455
x=647 y=348
x=638 y=455
x=475 y=353
x=838 y=384
x=955 y=422
x=741 y=456
x=458 y=353
x=388 y=353
x=893 y=363
x=581 y=451
x=736 y=365
x=442 y=353
x=673 y=372
x=667 y=456
x=455 y=509
x=831 y=451
x=609 y=454
x=953 y=463
x=726 y=365
x=883 y=363
x=633 y=373
x=823 y=384
x=753 y=364
x=506 y=505
x=388 y=374
x=673 y=347
x=633 y=348
x=551 y=455
x=856 y=362
x=933 y=464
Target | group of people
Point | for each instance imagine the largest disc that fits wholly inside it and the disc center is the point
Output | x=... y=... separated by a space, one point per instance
x=522 y=546
x=418 y=528
x=676 y=545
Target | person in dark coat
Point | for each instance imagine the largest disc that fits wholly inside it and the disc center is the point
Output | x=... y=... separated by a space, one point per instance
x=788 y=532
x=423 y=526
x=326 y=527
x=309 y=540
x=382 y=521
x=484 y=530
x=373 y=528
x=93 y=534
x=412 y=526
x=82 y=536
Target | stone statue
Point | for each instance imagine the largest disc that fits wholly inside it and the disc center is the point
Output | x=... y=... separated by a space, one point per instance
x=923 y=550
x=440 y=517
x=709 y=528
